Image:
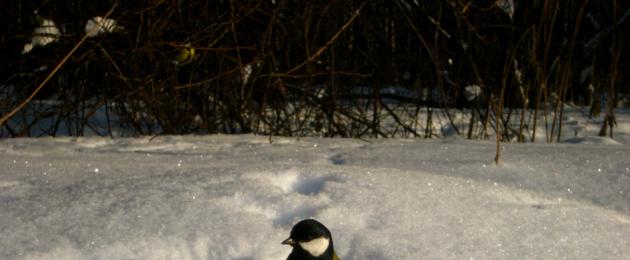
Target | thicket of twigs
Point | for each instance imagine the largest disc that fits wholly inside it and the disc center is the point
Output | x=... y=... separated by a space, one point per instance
x=326 y=68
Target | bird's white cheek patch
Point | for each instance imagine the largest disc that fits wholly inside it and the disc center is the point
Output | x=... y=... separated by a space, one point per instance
x=315 y=247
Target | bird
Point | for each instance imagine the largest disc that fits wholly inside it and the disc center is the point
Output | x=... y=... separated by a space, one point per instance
x=311 y=240
x=185 y=55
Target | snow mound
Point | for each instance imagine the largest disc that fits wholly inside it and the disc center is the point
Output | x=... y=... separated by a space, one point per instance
x=227 y=197
x=591 y=140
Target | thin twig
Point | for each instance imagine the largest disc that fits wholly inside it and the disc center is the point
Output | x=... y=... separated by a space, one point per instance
x=330 y=41
x=54 y=71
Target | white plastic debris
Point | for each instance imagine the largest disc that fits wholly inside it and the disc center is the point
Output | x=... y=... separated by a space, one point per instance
x=98 y=25
x=46 y=33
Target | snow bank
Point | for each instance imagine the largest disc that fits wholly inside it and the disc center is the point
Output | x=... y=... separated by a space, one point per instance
x=236 y=197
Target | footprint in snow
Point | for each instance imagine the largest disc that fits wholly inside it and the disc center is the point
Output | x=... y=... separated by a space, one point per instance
x=292 y=181
x=337 y=159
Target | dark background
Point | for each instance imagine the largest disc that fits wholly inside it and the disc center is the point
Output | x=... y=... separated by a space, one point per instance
x=316 y=67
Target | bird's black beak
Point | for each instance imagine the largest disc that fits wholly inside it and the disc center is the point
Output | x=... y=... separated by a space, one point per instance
x=288 y=241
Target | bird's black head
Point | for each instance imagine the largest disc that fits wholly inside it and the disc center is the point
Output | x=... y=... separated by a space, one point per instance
x=309 y=229
x=310 y=240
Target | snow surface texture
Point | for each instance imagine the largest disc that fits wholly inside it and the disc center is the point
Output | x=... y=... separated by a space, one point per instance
x=237 y=197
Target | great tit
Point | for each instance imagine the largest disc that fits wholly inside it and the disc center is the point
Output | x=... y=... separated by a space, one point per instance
x=310 y=240
x=185 y=55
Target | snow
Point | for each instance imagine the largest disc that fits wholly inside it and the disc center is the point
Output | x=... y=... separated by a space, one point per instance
x=237 y=197
x=473 y=92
